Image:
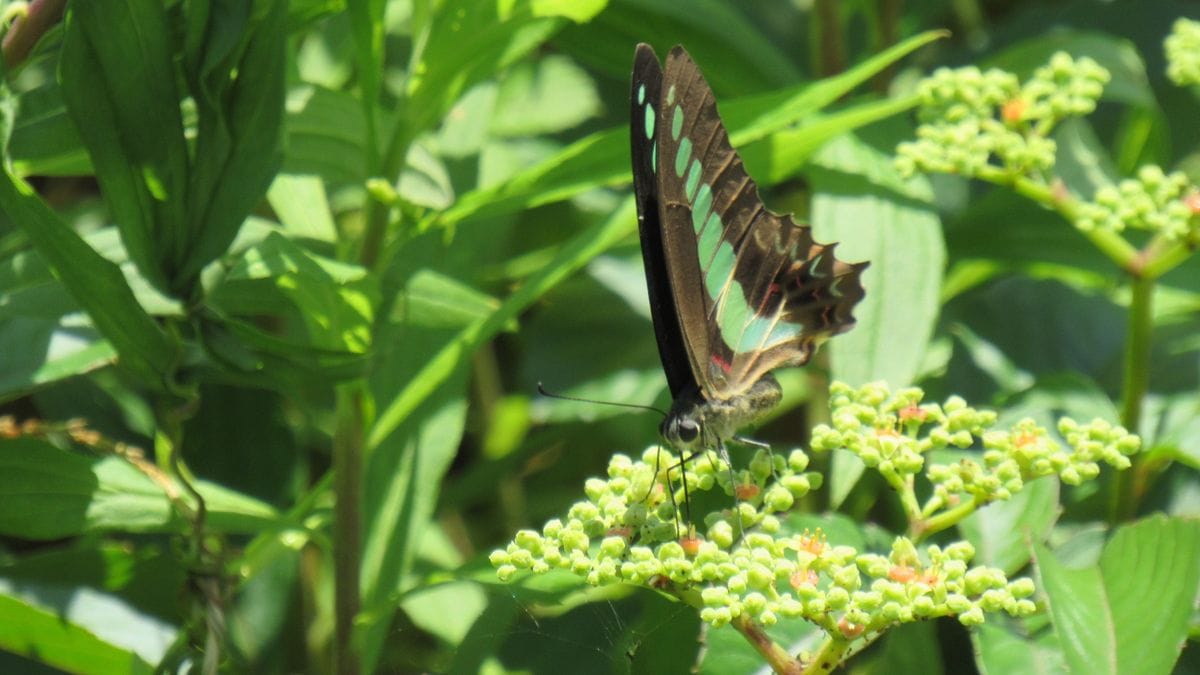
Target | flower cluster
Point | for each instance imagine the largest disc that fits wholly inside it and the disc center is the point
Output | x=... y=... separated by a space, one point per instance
x=751 y=563
x=626 y=532
x=1183 y=52
x=893 y=432
x=1156 y=201
x=975 y=121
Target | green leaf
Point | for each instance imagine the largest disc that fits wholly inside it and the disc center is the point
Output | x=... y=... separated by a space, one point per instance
x=1003 y=645
x=300 y=203
x=95 y=283
x=118 y=82
x=45 y=636
x=579 y=11
x=860 y=202
x=325 y=133
x=333 y=301
x=47 y=493
x=1130 y=612
x=435 y=300
x=424 y=181
x=44 y=140
x=403 y=477
x=547 y=96
x=1082 y=161
x=237 y=83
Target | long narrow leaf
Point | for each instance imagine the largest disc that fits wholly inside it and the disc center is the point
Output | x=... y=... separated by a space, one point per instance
x=118 y=82
x=96 y=284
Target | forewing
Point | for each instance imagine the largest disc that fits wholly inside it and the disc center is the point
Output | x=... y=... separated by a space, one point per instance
x=768 y=294
x=645 y=97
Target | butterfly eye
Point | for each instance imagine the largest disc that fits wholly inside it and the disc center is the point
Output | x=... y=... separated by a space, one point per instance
x=688 y=431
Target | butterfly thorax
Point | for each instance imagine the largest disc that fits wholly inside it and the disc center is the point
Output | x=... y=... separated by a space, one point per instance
x=696 y=422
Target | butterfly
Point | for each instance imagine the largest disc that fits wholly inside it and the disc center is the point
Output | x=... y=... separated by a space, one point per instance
x=736 y=291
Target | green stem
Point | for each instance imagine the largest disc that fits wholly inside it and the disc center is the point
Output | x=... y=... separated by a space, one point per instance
x=1113 y=245
x=1128 y=487
x=347 y=514
x=1137 y=352
x=775 y=655
x=921 y=530
x=828 y=657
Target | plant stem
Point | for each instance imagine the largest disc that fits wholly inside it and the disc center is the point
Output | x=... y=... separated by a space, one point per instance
x=347 y=513
x=921 y=530
x=829 y=656
x=1137 y=353
x=1135 y=383
x=776 y=656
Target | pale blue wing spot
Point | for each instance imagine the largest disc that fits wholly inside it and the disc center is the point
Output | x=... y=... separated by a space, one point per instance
x=693 y=178
x=641 y=94
x=759 y=332
x=676 y=122
x=734 y=314
x=720 y=269
x=654 y=158
x=812 y=266
x=708 y=241
x=682 y=157
x=671 y=95
x=650 y=122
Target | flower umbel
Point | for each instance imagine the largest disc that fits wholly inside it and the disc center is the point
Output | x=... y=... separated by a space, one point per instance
x=749 y=563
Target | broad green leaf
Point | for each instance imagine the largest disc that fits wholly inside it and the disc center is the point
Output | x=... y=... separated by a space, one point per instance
x=48 y=493
x=756 y=117
x=547 y=96
x=424 y=181
x=119 y=84
x=579 y=11
x=912 y=648
x=1130 y=612
x=860 y=202
x=95 y=283
x=325 y=133
x=237 y=84
x=1004 y=646
x=303 y=210
x=435 y=300
x=781 y=155
x=45 y=636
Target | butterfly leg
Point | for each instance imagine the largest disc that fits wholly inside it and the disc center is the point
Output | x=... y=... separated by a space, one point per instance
x=761 y=446
x=737 y=511
x=687 y=502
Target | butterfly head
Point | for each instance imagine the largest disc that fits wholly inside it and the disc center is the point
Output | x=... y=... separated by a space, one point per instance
x=696 y=422
x=682 y=430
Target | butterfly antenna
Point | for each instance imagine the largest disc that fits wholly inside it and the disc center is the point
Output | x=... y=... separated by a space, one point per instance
x=549 y=394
